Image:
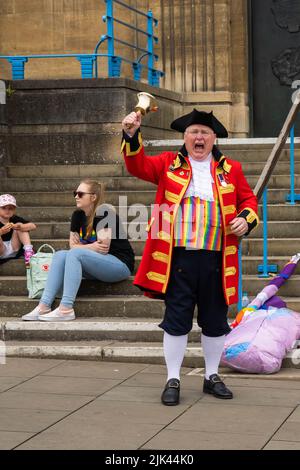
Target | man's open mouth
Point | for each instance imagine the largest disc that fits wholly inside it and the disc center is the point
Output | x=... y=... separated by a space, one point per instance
x=199 y=146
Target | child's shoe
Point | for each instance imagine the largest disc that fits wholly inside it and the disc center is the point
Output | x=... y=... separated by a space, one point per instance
x=28 y=253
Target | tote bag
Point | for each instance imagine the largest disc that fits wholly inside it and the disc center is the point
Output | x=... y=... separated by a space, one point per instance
x=37 y=271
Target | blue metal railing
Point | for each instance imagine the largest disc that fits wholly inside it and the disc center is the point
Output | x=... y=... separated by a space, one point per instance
x=114 y=62
x=265 y=269
x=88 y=62
x=292 y=197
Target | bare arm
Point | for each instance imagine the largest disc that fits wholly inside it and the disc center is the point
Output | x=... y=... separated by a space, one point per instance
x=28 y=227
x=98 y=246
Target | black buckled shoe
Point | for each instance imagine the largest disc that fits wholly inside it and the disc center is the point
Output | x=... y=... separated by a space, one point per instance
x=216 y=387
x=171 y=393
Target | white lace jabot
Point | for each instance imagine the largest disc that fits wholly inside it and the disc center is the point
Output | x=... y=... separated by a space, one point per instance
x=201 y=182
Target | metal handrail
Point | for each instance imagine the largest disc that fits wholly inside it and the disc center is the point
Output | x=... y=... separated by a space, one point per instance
x=292 y=197
x=261 y=187
x=114 y=61
x=128 y=7
x=276 y=151
x=89 y=65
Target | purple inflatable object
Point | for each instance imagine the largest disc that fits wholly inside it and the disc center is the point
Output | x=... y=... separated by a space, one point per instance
x=262 y=339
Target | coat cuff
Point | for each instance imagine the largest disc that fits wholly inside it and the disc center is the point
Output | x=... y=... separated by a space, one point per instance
x=251 y=218
x=131 y=145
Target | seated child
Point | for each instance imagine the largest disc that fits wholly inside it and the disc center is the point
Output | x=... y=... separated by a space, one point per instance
x=14 y=231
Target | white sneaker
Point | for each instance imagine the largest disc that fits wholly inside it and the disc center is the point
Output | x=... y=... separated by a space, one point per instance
x=56 y=315
x=33 y=315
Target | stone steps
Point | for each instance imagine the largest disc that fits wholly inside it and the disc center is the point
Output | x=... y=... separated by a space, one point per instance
x=119 y=306
x=149 y=353
x=117 y=198
x=116 y=322
x=250 y=263
x=276 y=229
x=16 y=285
x=95 y=329
x=251 y=246
x=276 y=212
x=125 y=306
x=114 y=183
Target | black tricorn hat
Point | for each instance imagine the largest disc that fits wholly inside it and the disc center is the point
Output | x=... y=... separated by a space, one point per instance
x=200 y=117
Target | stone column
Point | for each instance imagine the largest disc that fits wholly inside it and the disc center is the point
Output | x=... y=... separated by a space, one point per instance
x=3 y=129
x=203 y=51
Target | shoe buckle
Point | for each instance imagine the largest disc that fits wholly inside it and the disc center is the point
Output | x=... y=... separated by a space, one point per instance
x=216 y=379
x=174 y=385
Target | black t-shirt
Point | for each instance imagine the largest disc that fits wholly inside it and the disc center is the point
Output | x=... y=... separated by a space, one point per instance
x=107 y=218
x=7 y=236
x=14 y=220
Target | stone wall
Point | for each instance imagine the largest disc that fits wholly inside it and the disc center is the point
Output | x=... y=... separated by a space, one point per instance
x=4 y=160
x=202 y=46
x=79 y=121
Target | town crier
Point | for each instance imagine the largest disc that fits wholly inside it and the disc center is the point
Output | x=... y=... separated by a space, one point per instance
x=203 y=206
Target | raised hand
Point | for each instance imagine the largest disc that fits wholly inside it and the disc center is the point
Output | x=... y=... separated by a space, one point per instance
x=132 y=122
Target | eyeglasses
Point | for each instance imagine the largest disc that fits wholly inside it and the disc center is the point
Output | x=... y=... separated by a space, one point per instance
x=195 y=132
x=80 y=194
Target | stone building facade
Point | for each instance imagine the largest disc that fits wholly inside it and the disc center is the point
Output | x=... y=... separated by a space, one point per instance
x=202 y=46
x=203 y=49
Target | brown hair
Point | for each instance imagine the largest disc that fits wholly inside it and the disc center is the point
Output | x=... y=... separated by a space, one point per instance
x=98 y=189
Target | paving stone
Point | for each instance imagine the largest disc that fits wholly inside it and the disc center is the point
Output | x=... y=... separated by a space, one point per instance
x=9 y=439
x=146 y=395
x=289 y=431
x=75 y=433
x=280 y=383
x=28 y=420
x=231 y=418
x=195 y=440
x=282 y=445
x=67 y=385
x=295 y=416
x=9 y=382
x=42 y=401
x=131 y=412
x=161 y=369
x=259 y=396
x=96 y=370
x=159 y=380
x=26 y=367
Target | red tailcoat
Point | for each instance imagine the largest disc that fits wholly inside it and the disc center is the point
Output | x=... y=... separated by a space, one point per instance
x=172 y=174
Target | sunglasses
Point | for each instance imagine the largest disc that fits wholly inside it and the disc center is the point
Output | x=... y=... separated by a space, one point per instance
x=80 y=194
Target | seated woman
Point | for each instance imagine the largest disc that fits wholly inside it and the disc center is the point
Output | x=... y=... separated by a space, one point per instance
x=108 y=257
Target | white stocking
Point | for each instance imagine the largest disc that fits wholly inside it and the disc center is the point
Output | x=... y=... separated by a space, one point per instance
x=174 y=349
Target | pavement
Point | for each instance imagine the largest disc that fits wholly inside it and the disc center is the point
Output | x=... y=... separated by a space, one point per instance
x=75 y=404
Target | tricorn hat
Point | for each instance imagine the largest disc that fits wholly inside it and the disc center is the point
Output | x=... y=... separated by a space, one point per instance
x=200 y=117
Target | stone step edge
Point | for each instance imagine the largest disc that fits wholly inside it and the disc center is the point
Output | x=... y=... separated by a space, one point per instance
x=96 y=324
x=114 y=351
x=295 y=277
x=229 y=141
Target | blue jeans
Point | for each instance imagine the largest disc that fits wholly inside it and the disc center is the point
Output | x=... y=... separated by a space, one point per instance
x=69 y=266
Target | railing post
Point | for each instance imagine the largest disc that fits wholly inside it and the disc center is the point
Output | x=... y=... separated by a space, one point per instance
x=264 y=268
x=137 y=71
x=87 y=65
x=110 y=37
x=115 y=66
x=155 y=76
x=292 y=197
x=150 y=47
x=18 y=67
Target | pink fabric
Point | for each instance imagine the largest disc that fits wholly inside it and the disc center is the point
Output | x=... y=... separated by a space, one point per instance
x=262 y=339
